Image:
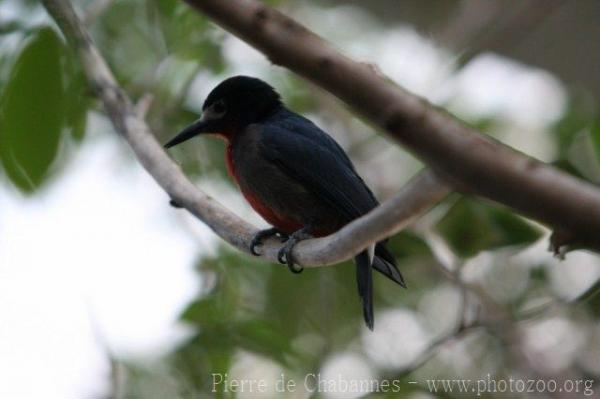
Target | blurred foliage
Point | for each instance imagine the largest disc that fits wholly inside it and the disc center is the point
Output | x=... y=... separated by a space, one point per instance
x=266 y=310
x=160 y=47
x=409 y=245
x=472 y=226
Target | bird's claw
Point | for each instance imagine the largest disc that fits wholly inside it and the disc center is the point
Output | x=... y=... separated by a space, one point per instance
x=257 y=239
x=284 y=256
x=253 y=245
x=281 y=256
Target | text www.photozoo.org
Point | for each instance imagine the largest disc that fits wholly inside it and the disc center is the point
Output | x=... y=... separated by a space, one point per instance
x=314 y=382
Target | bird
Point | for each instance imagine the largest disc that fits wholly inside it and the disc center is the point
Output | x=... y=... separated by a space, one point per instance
x=292 y=173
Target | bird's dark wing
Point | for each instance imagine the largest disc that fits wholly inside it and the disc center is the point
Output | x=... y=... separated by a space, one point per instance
x=319 y=169
x=306 y=128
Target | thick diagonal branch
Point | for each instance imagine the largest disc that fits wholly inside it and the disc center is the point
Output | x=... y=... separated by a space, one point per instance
x=416 y=197
x=473 y=162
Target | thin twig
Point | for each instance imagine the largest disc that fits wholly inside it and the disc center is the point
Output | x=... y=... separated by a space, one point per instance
x=143 y=105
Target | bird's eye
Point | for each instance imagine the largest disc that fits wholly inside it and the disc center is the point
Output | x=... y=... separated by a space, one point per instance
x=219 y=107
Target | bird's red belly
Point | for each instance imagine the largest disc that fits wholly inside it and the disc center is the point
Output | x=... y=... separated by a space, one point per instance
x=281 y=222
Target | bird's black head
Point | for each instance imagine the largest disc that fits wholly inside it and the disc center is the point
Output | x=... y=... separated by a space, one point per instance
x=234 y=104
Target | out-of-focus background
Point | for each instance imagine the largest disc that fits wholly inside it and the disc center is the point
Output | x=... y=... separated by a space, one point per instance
x=107 y=291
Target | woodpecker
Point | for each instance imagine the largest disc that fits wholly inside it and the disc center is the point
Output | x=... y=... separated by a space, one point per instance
x=292 y=173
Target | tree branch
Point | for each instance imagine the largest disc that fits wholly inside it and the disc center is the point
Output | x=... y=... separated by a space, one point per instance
x=416 y=197
x=472 y=162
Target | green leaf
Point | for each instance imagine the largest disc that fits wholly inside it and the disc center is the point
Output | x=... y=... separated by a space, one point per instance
x=205 y=311
x=78 y=123
x=583 y=154
x=77 y=101
x=77 y=104
x=577 y=117
x=32 y=110
x=472 y=226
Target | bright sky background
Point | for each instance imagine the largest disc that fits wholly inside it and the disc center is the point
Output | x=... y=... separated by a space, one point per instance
x=98 y=261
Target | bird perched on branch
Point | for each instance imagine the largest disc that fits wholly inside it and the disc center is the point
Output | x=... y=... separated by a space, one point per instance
x=292 y=173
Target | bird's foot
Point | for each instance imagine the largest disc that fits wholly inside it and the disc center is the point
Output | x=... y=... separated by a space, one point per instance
x=257 y=239
x=285 y=253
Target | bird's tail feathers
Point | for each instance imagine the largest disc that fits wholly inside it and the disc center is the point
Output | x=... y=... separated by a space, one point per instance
x=379 y=258
x=385 y=264
x=364 y=279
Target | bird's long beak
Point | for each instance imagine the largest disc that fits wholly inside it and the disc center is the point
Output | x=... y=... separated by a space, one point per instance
x=202 y=125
